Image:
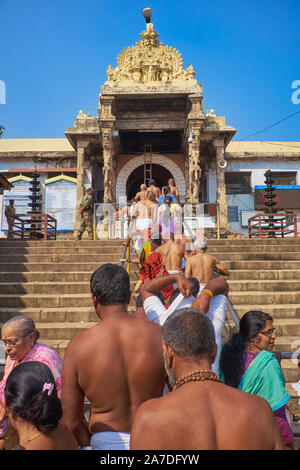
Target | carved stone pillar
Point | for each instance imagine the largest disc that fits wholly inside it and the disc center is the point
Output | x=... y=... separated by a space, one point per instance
x=221 y=187
x=80 y=184
x=194 y=166
x=107 y=124
x=108 y=166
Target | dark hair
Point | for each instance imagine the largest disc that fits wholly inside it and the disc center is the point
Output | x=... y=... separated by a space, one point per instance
x=189 y=333
x=175 y=294
x=196 y=286
x=168 y=200
x=152 y=182
x=231 y=357
x=110 y=284
x=165 y=190
x=25 y=397
x=139 y=301
x=195 y=289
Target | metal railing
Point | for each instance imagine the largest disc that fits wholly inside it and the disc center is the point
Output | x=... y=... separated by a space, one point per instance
x=37 y=226
x=272 y=225
x=113 y=221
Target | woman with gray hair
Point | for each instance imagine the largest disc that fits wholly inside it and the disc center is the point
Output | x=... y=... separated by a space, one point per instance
x=20 y=336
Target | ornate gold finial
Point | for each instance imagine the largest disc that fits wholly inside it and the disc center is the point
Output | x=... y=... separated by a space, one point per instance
x=150 y=62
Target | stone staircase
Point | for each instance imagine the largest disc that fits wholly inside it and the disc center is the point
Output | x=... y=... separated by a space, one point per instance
x=49 y=281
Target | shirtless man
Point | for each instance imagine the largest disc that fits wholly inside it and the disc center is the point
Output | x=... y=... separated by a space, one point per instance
x=203 y=266
x=142 y=194
x=173 y=251
x=173 y=189
x=200 y=414
x=110 y=364
x=152 y=187
x=212 y=300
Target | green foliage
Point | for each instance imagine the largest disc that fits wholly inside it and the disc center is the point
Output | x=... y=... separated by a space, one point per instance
x=2 y=129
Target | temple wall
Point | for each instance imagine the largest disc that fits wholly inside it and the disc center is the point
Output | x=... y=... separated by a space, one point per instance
x=245 y=202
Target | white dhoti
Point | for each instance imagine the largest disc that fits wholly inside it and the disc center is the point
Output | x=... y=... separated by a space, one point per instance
x=216 y=314
x=141 y=225
x=110 y=440
x=175 y=271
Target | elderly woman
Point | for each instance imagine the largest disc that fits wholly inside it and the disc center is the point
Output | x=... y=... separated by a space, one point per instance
x=247 y=363
x=20 y=336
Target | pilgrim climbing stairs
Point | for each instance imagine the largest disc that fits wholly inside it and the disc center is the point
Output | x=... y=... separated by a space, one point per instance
x=49 y=282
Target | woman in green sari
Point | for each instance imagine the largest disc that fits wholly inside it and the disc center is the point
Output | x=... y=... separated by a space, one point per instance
x=247 y=363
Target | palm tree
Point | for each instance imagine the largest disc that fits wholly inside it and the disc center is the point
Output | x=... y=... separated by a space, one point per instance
x=1 y=130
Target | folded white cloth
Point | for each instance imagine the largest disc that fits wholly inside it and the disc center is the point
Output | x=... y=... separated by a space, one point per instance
x=157 y=312
x=110 y=440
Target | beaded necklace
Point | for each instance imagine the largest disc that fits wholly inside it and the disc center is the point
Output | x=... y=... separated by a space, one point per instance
x=197 y=376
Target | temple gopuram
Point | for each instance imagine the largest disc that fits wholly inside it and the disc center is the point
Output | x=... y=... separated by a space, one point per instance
x=151 y=124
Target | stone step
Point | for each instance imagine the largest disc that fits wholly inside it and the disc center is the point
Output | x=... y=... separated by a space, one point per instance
x=48 y=301
x=52 y=267
x=46 y=276
x=60 y=243
x=210 y=242
x=78 y=248
x=104 y=256
x=51 y=315
x=264 y=298
x=287 y=343
x=287 y=327
x=58 y=251
x=291 y=371
x=45 y=300
x=75 y=287
x=60 y=265
x=240 y=249
x=258 y=265
x=62 y=331
x=57 y=258
x=268 y=275
x=82 y=286
x=261 y=285
x=279 y=311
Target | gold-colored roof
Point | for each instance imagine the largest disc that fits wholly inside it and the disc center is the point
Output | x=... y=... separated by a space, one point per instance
x=35 y=145
x=263 y=148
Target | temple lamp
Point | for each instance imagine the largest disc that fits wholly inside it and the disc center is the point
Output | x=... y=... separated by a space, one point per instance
x=147 y=12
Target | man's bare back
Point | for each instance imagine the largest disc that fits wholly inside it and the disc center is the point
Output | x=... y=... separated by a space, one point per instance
x=202 y=266
x=206 y=416
x=173 y=189
x=142 y=194
x=155 y=190
x=117 y=369
x=117 y=364
x=145 y=209
x=172 y=253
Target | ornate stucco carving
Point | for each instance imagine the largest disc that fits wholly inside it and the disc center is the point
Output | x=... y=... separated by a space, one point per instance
x=150 y=62
x=214 y=121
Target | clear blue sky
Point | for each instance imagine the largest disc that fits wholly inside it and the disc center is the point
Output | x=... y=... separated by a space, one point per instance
x=54 y=55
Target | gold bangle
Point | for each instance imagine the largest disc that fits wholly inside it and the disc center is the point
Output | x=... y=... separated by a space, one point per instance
x=208 y=292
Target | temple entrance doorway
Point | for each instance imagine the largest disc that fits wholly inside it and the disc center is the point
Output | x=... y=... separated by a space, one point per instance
x=159 y=173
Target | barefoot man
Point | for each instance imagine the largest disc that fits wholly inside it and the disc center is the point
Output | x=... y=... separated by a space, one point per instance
x=173 y=189
x=173 y=252
x=155 y=189
x=142 y=194
x=203 y=266
x=201 y=413
x=117 y=364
